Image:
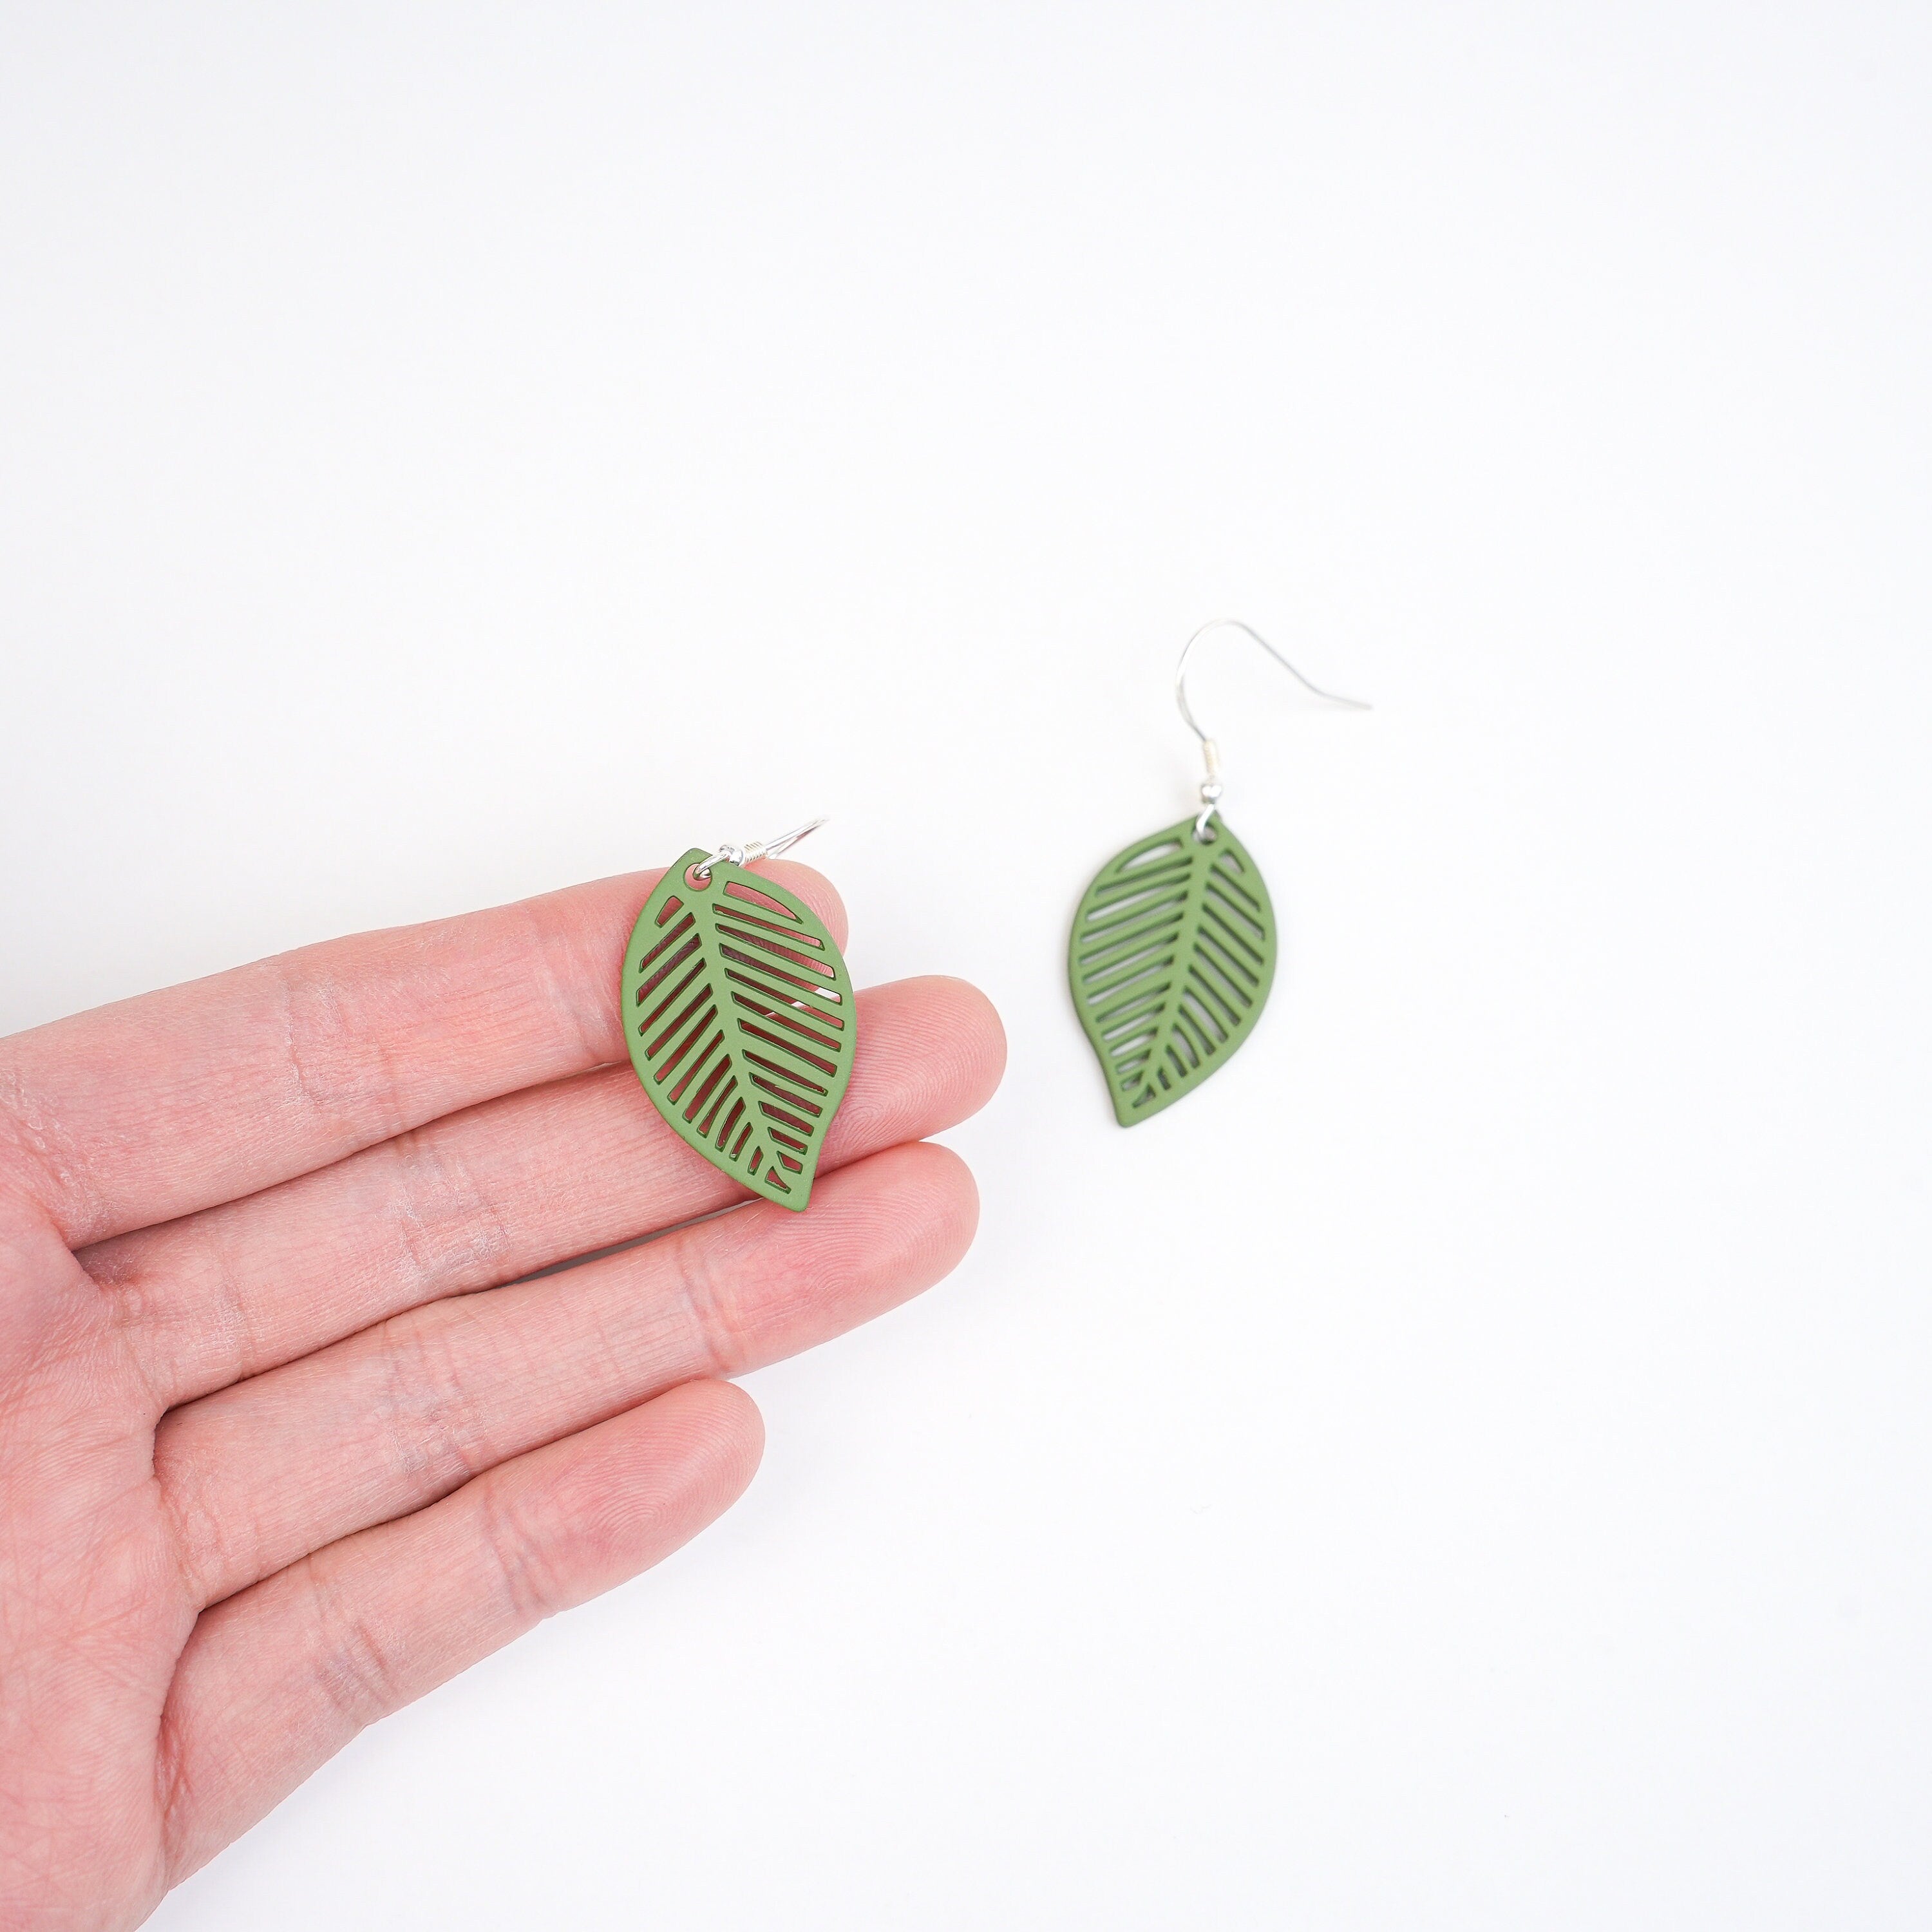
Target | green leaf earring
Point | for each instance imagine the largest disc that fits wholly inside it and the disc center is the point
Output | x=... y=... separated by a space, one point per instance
x=1173 y=950
x=740 y=1017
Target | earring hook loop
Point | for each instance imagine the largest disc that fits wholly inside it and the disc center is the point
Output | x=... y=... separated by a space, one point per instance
x=1211 y=786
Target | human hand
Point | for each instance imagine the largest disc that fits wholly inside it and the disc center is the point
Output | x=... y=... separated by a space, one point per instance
x=287 y=1439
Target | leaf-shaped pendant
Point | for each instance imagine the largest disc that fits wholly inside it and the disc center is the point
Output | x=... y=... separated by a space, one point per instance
x=1171 y=961
x=741 y=1021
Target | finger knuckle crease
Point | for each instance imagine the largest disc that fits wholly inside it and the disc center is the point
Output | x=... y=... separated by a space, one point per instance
x=450 y=1232
x=436 y=1429
x=520 y=1556
x=337 y=1062
x=356 y=1666
x=710 y=1317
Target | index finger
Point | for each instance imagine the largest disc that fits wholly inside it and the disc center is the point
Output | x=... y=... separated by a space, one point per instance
x=157 y=1106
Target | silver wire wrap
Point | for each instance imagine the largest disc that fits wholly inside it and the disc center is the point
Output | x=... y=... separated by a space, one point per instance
x=766 y=848
x=1211 y=788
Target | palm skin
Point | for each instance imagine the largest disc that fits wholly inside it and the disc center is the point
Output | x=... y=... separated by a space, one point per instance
x=288 y=1437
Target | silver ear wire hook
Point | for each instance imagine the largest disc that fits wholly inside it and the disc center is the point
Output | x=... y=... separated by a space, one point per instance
x=767 y=848
x=1211 y=752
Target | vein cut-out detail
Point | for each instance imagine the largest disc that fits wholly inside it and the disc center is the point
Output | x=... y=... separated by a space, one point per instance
x=742 y=1022
x=1171 y=961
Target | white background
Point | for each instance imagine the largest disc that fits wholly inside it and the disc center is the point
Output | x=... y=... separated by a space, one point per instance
x=1469 y=1466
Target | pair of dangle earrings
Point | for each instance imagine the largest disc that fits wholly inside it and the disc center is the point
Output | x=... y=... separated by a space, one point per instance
x=742 y=1023
x=1172 y=952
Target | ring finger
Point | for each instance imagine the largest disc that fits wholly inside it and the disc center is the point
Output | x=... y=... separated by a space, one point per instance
x=261 y=1473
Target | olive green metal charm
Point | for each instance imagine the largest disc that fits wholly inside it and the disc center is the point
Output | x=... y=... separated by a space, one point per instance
x=1171 y=961
x=741 y=1020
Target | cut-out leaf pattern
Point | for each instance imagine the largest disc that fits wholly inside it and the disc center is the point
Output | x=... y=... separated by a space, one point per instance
x=1172 y=958
x=741 y=1020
